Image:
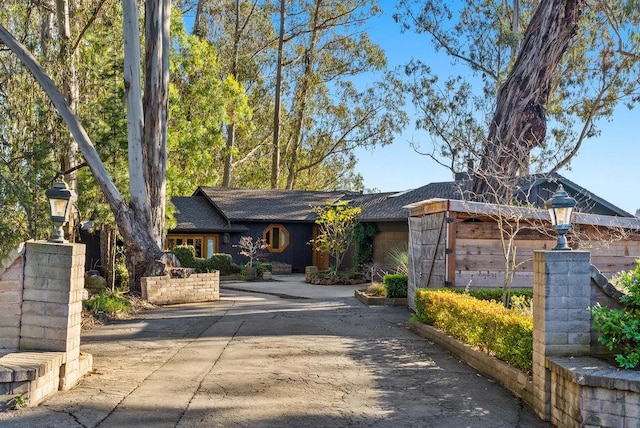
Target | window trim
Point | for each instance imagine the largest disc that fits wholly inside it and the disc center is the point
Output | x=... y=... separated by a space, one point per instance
x=203 y=242
x=283 y=231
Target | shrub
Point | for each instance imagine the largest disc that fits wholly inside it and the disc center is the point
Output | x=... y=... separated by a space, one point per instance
x=485 y=324
x=396 y=285
x=494 y=293
x=620 y=328
x=107 y=303
x=186 y=254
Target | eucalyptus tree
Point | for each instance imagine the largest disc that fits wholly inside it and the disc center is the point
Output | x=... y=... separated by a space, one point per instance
x=141 y=219
x=528 y=95
x=202 y=105
x=329 y=114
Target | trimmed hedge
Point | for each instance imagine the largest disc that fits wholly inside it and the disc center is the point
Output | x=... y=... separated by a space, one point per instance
x=186 y=254
x=485 y=324
x=396 y=285
x=493 y=293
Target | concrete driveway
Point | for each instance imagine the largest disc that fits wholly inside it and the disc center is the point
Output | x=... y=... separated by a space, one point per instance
x=278 y=354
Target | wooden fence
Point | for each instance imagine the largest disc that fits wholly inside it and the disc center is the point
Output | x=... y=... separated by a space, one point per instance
x=470 y=244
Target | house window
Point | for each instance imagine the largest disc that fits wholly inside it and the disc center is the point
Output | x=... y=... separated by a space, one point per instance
x=276 y=237
x=205 y=246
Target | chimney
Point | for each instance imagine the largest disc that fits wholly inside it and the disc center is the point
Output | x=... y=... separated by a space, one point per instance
x=466 y=175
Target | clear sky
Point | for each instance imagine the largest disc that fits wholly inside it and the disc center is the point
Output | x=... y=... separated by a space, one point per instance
x=608 y=166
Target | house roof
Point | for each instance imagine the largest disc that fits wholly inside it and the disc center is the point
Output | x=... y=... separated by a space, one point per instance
x=196 y=214
x=269 y=204
x=216 y=209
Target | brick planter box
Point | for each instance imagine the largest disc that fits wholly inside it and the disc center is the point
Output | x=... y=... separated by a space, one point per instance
x=380 y=301
x=164 y=290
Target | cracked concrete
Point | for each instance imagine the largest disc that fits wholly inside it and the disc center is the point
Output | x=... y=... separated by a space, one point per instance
x=255 y=359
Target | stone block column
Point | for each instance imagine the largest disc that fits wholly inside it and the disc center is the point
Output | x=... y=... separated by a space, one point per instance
x=52 y=302
x=561 y=320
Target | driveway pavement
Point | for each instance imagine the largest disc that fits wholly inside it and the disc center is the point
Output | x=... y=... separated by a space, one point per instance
x=278 y=354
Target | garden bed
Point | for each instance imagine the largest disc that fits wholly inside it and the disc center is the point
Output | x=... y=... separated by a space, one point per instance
x=379 y=301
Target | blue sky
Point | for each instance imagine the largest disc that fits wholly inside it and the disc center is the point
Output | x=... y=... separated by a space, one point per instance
x=607 y=166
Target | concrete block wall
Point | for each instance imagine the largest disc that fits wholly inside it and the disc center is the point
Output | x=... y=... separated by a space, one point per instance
x=570 y=387
x=52 y=303
x=11 y=269
x=562 y=323
x=164 y=290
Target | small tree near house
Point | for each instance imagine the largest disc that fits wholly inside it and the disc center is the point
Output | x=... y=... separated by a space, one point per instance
x=336 y=224
x=250 y=248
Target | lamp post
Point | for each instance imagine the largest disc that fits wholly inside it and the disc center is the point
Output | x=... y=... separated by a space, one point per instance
x=560 y=207
x=61 y=199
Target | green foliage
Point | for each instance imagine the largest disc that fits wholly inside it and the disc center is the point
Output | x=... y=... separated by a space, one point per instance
x=494 y=293
x=18 y=401
x=336 y=224
x=108 y=303
x=186 y=254
x=363 y=235
x=396 y=285
x=619 y=329
x=485 y=324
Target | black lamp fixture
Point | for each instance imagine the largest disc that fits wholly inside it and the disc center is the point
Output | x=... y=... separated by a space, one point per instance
x=560 y=207
x=61 y=199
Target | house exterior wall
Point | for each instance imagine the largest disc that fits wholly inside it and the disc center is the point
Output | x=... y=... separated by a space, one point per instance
x=298 y=253
x=390 y=235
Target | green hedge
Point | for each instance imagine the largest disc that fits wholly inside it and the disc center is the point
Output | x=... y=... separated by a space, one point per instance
x=485 y=324
x=220 y=262
x=493 y=293
x=396 y=285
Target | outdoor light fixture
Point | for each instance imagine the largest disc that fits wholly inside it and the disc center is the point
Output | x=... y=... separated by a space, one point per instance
x=61 y=199
x=560 y=207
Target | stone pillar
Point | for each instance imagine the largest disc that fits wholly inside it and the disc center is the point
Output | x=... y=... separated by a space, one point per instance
x=561 y=320
x=52 y=303
x=11 y=267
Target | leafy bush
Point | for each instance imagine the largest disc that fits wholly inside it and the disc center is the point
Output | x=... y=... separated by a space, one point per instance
x=396 y=285
x=494 y=293
x=620 y=328
x=107 y=303
x=485 y=324
x=186 y=254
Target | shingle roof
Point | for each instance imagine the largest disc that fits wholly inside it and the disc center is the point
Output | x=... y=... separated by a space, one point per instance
x=269 y=204
x=196 y=214
x=218 y=208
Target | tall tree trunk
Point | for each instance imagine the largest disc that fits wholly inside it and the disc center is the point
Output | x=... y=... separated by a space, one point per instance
x=275 y=155
x=67 y=58
x=141 y=222
x=303 y=95
x=519 y=122
x=231 y=128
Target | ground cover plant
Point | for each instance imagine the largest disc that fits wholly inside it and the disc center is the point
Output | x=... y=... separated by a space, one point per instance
x=506 y=334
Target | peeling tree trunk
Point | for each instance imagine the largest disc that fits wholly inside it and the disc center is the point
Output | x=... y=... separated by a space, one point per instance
x=231 y=128
x=519 y=122
x=275 y=155
x=140 y=223
x=302 y=96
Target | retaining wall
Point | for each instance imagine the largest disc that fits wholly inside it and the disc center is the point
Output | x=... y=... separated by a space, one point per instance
x=164 y=290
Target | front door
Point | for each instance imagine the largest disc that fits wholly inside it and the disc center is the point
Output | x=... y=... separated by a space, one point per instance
x=320 y=258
